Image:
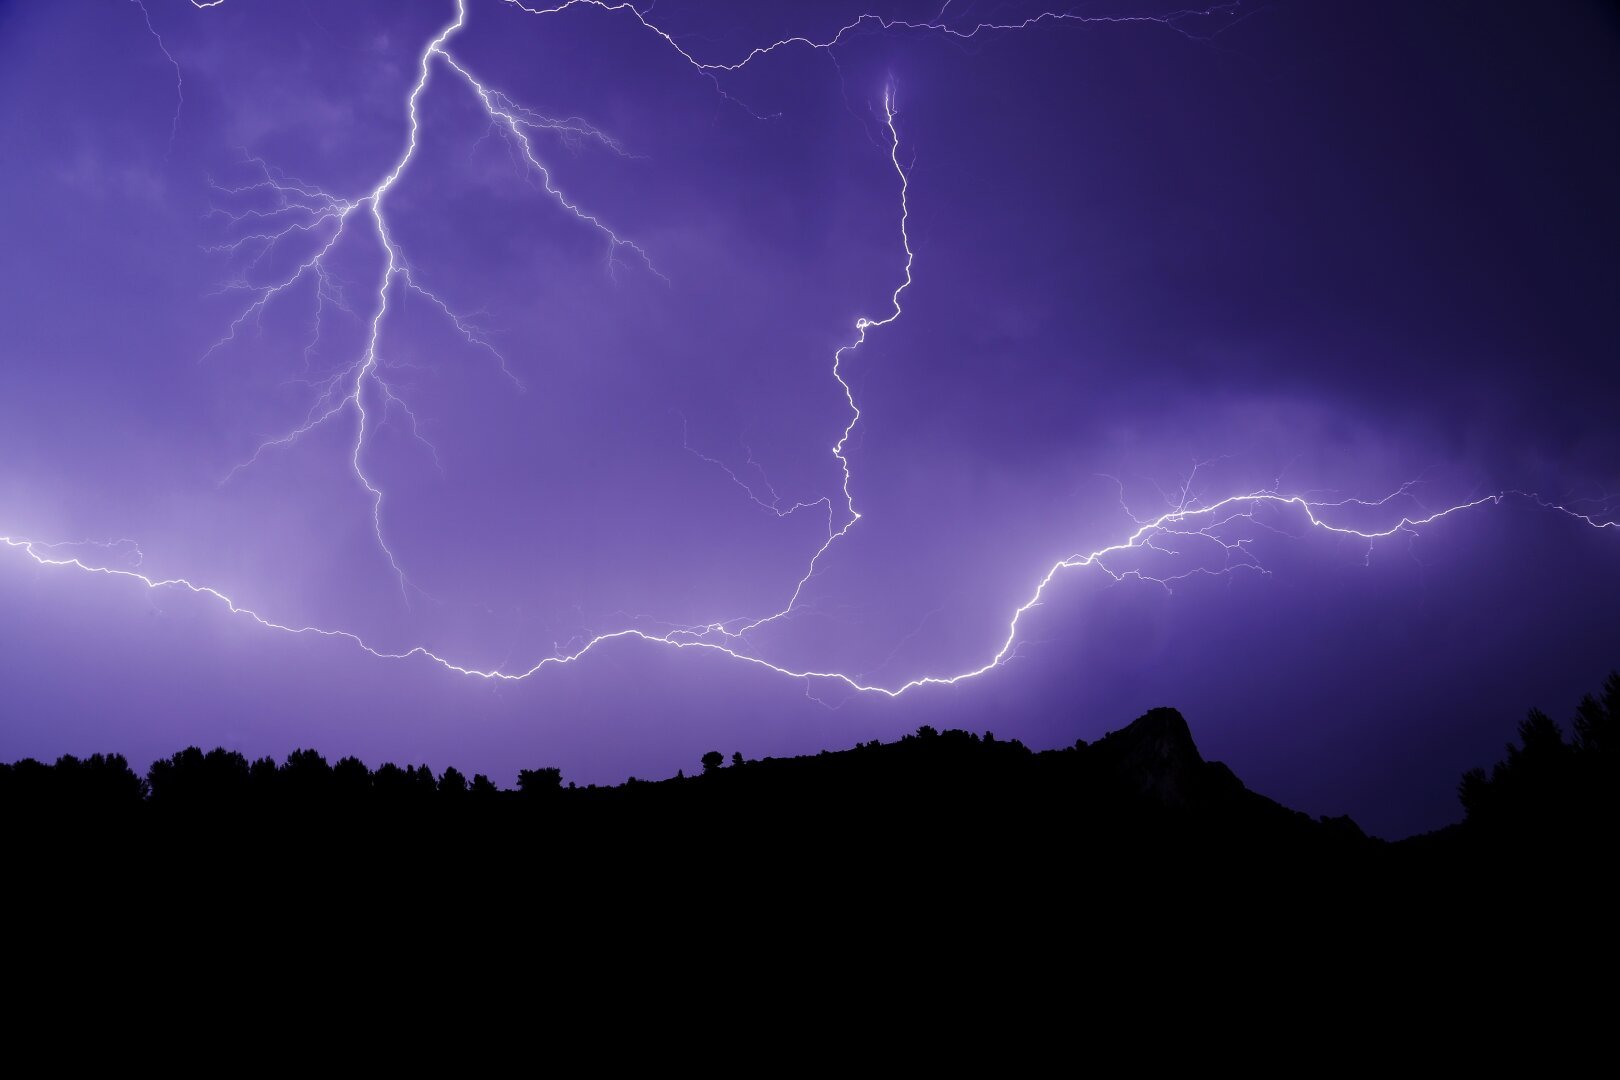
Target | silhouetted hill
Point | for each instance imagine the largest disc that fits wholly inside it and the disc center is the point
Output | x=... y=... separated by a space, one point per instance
x=1145 y=784
x=967 y=814
x=946 y=862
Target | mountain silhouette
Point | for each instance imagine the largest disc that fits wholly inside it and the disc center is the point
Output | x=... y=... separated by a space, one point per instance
x=1157 y=756
x=1145 y=783
x=942 y=863
x=936 y=814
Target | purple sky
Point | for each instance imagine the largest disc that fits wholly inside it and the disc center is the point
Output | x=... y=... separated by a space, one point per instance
x=1325 y=249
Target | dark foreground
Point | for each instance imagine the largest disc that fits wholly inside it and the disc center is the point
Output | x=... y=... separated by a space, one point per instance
x=947 y=819
x=906 y=876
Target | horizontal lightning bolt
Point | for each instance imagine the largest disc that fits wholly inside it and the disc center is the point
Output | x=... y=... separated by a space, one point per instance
x=1190 y=521
x=963 y=31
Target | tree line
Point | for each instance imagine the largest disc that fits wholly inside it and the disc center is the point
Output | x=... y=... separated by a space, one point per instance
x=1546 y=787
x=226 y=778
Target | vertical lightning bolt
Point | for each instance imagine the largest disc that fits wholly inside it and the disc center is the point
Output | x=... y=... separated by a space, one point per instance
x=179 y=77
x=863 y=326
x=301 y=209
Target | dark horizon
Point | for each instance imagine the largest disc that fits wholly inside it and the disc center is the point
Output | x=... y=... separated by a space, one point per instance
x=1362 y=256
x=1142 y=793
x=1161 y=747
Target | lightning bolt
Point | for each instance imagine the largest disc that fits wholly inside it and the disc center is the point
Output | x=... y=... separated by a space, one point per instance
x=1192 y=521
x=1194 y=537
x=863 y=326
x=298 y=209
x=179 y=77
x=965 y=30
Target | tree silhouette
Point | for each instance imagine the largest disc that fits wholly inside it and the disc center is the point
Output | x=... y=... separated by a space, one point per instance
x=264 y=779
x=1547 y=789
x=420 y=784
x=388 y=781
x=712 y=761
x=452 y=783
x=1597 y=720
x=98 y=783
x=192 y=778
x=306 y=777
x=536 y=783
x=351 y=780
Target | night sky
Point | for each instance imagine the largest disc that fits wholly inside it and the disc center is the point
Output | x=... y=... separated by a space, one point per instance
x=1333 y=251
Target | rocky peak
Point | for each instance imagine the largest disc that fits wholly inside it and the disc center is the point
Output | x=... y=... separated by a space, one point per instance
x=1155 y=754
